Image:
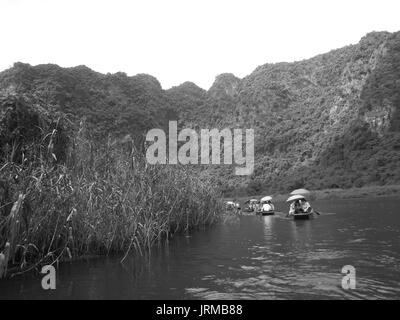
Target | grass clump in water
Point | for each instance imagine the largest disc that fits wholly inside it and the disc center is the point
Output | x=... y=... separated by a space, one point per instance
x=101 y=199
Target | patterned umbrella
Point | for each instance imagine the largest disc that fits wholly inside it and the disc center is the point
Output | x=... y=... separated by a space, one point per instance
x=300 y=191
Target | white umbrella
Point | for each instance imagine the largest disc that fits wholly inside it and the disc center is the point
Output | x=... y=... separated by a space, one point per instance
x=267 y=198
x=300 y=191
x=295 y=197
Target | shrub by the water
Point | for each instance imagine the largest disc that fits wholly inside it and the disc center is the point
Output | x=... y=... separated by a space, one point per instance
x=103 y=199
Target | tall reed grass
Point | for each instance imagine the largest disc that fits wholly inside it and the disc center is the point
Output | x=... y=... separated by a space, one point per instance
x=103 y=199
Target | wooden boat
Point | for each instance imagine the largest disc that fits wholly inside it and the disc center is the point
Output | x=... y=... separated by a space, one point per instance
x=267 y=213
x=303 y=215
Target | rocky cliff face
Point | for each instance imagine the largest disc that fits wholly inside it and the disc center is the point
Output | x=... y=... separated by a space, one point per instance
x=329 y=121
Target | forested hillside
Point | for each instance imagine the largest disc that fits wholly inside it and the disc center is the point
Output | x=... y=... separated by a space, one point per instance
x=111 y=104
x=326 y=122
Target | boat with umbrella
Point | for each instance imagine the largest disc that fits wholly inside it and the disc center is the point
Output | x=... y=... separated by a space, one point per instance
x=267 y=212
x=232 y=205
x=301 y=215
x=251 y=205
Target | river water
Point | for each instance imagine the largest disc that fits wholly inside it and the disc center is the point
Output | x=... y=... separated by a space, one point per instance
x=249 y=257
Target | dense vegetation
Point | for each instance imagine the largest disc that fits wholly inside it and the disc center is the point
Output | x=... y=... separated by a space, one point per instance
x=327 y=122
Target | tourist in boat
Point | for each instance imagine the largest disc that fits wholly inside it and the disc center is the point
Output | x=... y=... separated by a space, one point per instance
x=268 y=206
x=272 y=205
x=237 y=206
x=258 y=207
x=295 y=207
x=230 y=205
x=305 y=206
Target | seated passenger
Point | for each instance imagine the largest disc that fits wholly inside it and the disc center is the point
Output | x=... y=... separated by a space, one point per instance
x=267 y=206
x=305 y=206
x=295 y=207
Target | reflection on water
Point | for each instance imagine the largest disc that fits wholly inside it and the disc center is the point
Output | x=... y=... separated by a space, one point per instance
x=249 y=257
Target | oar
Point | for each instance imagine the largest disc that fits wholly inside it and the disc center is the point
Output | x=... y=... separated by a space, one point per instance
x=317 y=212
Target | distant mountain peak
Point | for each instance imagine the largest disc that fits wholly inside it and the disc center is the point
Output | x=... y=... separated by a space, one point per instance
x=225 y=84
x=187 y=85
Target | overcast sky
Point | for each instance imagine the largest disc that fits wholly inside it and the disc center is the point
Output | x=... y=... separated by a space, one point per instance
x=184 y=40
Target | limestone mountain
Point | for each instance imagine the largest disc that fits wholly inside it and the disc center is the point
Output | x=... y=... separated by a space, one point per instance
x=111 y=103
x=329 y=121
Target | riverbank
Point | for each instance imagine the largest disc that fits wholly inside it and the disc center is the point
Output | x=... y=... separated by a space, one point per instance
x=359 y=193
x=352 y=193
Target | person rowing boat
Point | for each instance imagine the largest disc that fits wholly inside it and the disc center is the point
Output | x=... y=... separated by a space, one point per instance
x=300 y=208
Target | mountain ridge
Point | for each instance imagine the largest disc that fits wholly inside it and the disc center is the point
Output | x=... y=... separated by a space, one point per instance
x=328 y=121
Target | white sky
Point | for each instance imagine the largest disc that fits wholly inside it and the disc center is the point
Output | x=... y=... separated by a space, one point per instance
x=184 y=40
